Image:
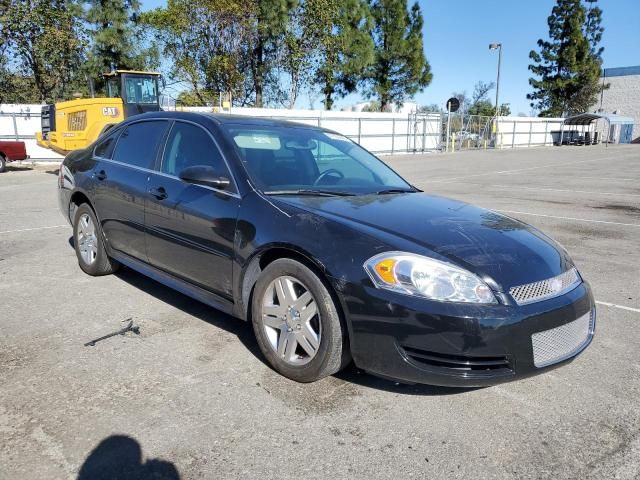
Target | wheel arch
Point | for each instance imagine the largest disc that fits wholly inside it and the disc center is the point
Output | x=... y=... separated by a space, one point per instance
x=76 y=199
x=267 y=255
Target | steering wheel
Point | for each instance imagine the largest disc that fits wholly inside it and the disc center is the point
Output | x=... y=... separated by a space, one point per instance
x=328 y=172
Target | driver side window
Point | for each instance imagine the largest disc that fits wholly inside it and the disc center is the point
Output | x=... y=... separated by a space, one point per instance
x=189 y=145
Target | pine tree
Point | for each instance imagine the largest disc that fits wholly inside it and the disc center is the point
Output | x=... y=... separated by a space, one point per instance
x=400 y=68
x=346 y=49
x=113 y=29
x=567 y=67
x=270 y=24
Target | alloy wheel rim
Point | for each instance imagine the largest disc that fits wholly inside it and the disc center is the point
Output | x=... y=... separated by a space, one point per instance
x=87 y=239
x=291 y=320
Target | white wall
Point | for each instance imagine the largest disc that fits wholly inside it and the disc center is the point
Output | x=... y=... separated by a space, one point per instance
x=378 y=132
x=381 y=133
x=24 y=120
x=517 y=132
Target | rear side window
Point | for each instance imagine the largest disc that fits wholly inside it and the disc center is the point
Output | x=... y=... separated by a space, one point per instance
x=138 y=143
x=104 y=149
x=189 y=145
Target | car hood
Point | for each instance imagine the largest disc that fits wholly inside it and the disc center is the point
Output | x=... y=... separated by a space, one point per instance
x=487 y=243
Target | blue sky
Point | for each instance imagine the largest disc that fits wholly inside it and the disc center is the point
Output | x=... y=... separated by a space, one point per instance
x=457 y=34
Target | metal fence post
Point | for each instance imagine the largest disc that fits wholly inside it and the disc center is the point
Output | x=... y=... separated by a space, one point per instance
x=15 y=126
x=319 y=121
x=424 y=133
x=530 y=127
x=359 y=130
x=513 y=135
x=546 y=127
x=393 y=135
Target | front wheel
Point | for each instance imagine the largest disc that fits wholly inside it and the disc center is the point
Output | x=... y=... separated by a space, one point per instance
x=89 y=244
x=3 y=163
x=296 y=323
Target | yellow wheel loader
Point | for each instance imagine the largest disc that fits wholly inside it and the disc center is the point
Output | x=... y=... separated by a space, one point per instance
x=75 y=124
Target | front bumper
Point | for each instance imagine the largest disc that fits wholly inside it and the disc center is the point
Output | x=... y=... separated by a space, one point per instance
x=413 y=340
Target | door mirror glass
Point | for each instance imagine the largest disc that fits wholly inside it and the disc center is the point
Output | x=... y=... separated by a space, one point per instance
x=204 y=175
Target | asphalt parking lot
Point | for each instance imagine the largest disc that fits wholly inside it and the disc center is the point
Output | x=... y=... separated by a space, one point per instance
x=192 y=393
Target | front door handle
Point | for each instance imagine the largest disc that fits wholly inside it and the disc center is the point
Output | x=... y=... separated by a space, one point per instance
x=160 y=193
x=101 y=175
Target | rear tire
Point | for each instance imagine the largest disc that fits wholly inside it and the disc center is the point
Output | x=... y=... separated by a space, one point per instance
x=297 y=324
x=3 y=163
x=88 y=242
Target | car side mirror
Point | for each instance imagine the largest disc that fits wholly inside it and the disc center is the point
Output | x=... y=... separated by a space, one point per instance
x=204 y=175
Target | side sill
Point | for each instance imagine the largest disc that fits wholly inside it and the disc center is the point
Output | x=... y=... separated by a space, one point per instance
x=170 y=281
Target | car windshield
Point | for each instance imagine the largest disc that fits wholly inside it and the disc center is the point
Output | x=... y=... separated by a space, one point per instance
x=298 y=160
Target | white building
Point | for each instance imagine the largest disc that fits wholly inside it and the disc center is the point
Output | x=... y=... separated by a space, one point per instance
x=623 y=95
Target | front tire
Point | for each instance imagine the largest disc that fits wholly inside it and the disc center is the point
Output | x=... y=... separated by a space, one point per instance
x=3 y=163
x=296 y=322
x=89 y=243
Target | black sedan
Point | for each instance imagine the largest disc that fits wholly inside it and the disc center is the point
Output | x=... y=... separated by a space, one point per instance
x=327 y=251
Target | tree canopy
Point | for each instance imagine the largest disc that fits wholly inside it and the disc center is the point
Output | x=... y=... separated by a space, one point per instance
x=400 y=68
x=567 y=66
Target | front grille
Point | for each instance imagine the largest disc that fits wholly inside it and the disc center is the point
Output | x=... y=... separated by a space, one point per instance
x=77 y=121
x=459 y=363
x=551 y=287
x=560 y=343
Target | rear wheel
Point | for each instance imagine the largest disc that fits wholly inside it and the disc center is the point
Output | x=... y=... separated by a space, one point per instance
x=296 y=322
x=89 y=243
x=3 y=163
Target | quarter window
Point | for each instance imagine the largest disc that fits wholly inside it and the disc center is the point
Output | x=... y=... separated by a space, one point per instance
x=104 y=149
x=189 y=145
x=138 y=144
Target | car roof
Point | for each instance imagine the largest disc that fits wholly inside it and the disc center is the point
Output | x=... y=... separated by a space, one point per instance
x=227 y=119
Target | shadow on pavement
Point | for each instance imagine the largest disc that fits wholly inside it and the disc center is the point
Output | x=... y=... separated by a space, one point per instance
x=244 y=332
x=353 y=374
x=120 y=457
x=17 y=168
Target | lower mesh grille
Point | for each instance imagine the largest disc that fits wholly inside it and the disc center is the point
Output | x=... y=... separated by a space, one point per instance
x=560 y=343
x=459 y=363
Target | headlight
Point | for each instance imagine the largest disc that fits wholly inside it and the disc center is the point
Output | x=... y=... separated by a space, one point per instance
x=426 y=277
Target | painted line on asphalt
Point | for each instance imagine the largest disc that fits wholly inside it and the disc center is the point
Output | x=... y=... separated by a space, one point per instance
x=622 y=307
x=516 y=187
x=32 y=229
x=453 y=179
x=516 y=212
x=573 y=177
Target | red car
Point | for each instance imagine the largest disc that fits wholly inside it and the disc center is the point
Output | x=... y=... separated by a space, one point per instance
x=10 y=151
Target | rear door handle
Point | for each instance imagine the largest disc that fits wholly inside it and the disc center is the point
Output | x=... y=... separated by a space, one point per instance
x=101 y=175
x=160 y=193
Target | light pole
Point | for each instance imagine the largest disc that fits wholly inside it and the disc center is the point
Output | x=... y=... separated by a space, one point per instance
x=497 y=46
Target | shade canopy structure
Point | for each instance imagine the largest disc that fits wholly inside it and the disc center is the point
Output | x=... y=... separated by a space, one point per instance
x=585 y=120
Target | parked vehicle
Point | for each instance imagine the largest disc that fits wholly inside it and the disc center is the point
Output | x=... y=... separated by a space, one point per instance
x=10 y=151
x=326 y=250
x=465 y=136
x=76 y=124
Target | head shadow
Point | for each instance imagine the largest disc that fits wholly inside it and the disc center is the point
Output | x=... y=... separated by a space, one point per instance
x=120 y=456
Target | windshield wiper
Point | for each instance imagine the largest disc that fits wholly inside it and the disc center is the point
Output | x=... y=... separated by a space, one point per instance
x=396 y=190
x=319 y=193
